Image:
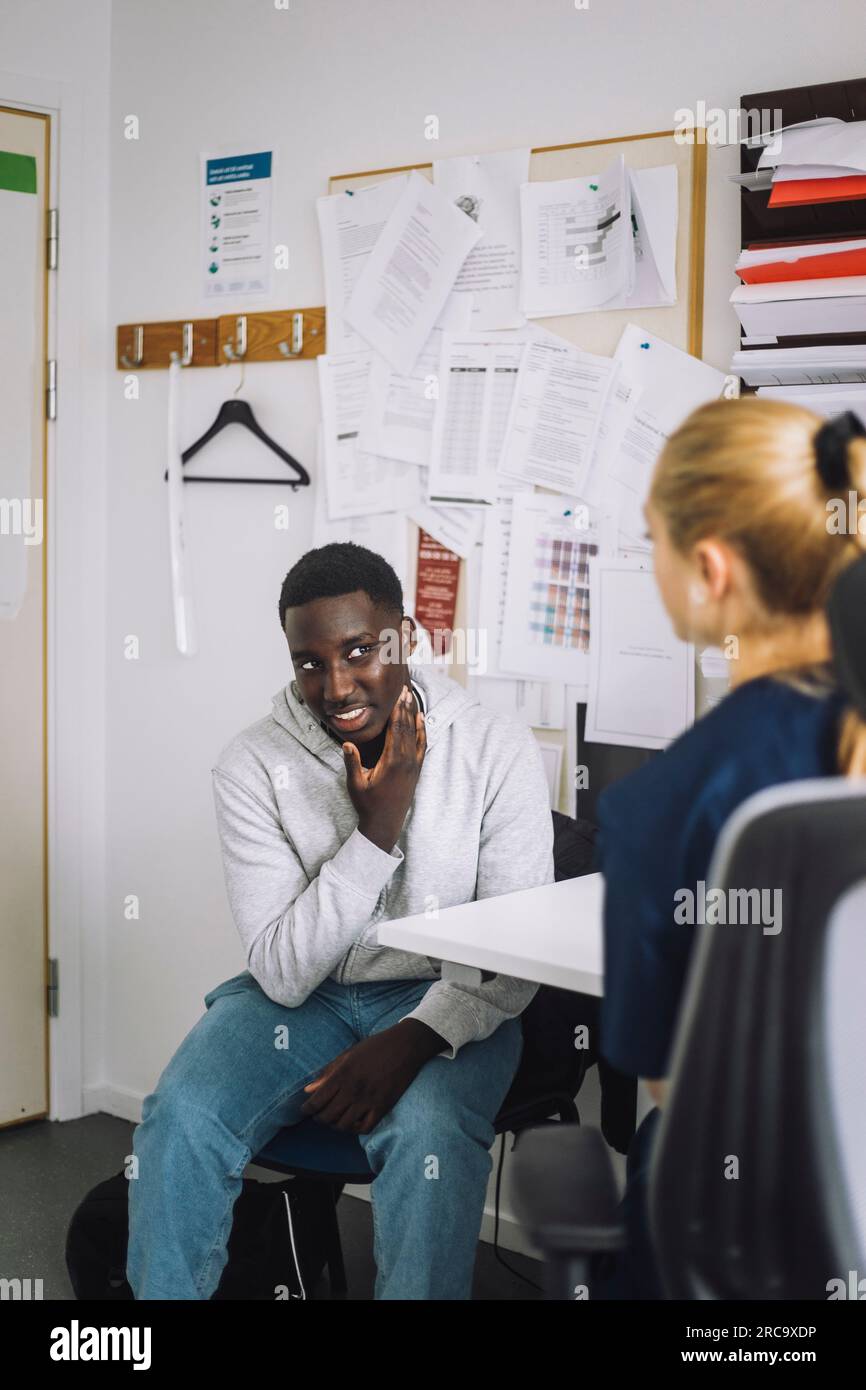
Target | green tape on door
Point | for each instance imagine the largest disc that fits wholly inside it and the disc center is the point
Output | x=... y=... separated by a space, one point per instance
x=17 y=172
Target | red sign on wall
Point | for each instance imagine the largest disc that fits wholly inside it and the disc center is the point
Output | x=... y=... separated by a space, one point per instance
x=436 y=591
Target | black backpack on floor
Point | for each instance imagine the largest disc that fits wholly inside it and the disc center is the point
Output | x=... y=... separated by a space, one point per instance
x=278 y=1247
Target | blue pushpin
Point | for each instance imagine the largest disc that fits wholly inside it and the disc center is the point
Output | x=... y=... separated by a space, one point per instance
x=645 y=345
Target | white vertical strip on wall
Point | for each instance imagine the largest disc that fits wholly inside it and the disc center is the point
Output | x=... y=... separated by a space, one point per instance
x=184 y=619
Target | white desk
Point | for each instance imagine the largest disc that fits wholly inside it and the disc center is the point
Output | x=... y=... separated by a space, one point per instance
x=551 y=935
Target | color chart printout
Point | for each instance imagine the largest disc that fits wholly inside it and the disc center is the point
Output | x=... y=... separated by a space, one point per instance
x=559 y=605
x=546 y=624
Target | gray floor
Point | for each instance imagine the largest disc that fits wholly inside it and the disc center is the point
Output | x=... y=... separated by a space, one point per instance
x=46 y=1168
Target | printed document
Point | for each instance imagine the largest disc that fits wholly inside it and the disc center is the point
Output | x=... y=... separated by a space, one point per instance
x=673 y=384
x=486 y=187
x=576 y=242
x=477 y=377
x=642 y=677
x=558 y=402
x=410 y=273
x=398 y=416
x=357 y=483
x=349 y=225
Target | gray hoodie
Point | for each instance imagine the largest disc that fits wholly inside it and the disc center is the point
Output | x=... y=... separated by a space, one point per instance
x=307 y=890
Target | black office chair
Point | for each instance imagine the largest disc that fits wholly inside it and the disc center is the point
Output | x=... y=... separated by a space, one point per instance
x=767 y=1082
x=313 y=1150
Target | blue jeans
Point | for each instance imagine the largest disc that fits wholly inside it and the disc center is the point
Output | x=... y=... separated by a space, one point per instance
x=228 y=1089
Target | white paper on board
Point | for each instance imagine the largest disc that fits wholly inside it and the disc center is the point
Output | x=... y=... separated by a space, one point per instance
x=350 y=224
x=673 y=384
x=487 y=188
x=557 y=406
x=576 y=242
x=641 y=676
x=357 y=483
x=403 y=287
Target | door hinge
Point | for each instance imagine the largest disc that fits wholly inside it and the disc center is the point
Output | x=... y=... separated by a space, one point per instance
x=51 y=391
x=53 y=988
x=53 y=239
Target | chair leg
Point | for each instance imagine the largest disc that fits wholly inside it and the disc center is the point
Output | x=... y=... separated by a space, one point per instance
x=336 y=1267
x=566 y=1277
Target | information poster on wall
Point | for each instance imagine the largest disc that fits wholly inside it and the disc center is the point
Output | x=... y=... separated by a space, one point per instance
x=236 y=223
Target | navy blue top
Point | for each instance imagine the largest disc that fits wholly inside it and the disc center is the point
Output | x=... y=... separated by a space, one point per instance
x=658 y=829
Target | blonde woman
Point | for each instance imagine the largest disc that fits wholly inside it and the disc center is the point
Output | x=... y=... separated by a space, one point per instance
x=744 y=515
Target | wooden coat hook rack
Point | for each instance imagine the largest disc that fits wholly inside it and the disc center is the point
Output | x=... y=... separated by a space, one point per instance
x=275 y=335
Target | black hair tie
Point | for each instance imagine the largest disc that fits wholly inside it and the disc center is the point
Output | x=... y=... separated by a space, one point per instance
x=831 y=448
x=846 y=612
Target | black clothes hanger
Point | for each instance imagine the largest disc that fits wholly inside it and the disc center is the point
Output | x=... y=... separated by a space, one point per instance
x=234 y=412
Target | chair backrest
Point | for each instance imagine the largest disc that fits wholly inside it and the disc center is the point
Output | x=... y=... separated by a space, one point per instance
x=758 y=1182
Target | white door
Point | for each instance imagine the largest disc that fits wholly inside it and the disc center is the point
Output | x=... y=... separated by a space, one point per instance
x=24 y=147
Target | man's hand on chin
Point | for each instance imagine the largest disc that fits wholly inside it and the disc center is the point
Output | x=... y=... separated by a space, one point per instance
x=362 y=1084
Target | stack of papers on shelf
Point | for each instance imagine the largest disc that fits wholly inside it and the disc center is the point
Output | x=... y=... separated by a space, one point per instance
x=788 y=308
x=817 y=163
x=762 y=178
x=798 y=295
x=824 y=400
x=822 y=365
x=762 y=139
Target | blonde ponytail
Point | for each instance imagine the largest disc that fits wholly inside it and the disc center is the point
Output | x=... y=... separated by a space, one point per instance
x=852 y=733
x=747 y=472
x=852 y=744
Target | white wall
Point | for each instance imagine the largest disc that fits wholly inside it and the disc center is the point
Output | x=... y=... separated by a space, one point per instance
x=335 y=86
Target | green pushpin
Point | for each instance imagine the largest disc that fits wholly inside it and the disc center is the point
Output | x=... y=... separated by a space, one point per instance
x=594 y=187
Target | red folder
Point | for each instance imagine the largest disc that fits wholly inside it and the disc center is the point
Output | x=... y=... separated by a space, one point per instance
x=829 y=263
x=792 y=193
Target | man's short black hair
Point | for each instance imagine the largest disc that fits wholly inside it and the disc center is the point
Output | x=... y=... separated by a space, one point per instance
x=340 y=568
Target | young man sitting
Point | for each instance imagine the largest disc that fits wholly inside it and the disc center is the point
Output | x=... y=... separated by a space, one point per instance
x=368 y=793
